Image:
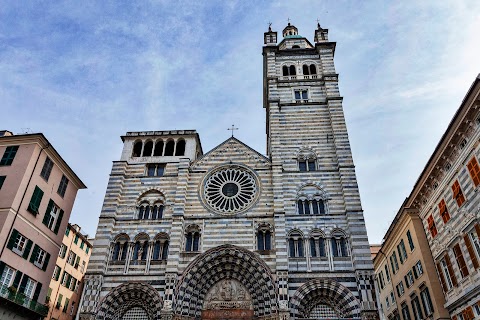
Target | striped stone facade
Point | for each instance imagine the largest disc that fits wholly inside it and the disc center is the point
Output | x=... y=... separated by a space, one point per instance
x=447 y=198
x=287 y=227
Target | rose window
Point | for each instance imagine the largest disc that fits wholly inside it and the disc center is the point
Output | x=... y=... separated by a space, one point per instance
x=230 y=190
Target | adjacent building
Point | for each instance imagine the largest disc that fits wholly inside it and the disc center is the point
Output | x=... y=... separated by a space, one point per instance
x=37 y=191
x=64 y=293
x=447 y=198
x=407 y=283
x=234 y=234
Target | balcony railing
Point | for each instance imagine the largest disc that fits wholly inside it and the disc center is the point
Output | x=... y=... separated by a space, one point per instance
x=300 y=77
x=22 y=300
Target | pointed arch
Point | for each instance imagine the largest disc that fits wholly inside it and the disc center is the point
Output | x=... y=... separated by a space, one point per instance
x=327 y=292
x=127 y=296
x=225 y=262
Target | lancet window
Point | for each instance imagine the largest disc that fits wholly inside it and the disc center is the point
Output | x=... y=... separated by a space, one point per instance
x=264 y=238
x=317 y=244
x=150 y=206
x=192 y=238
x=120 y=248
x=160 y=248
x=295 y=244
x=339 y=245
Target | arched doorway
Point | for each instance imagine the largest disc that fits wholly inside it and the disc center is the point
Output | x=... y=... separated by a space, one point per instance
x=324 y=299
x=131 y=301
x=226 y=282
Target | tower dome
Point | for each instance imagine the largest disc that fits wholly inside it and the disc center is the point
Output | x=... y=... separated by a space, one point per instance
x=290 y=31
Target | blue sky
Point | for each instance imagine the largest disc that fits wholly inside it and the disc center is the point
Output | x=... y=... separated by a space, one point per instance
x=85 y=72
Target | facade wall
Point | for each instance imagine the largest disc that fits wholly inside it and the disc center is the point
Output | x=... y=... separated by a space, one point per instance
x=67 y=280
x=451 y=231
x=416 y=274
x=21 y=220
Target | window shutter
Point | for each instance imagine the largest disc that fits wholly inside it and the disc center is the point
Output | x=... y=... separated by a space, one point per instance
x=16 y=281
x=477 y=229
x=59 y=221
x=34 y=253
x=13 y=237
x=77 y=262
x=45 y=263
x=27 y=249
x=442 y=278
x=47 y=213
x=460 y=260
x=450 y=270
x=57 y=275
x=37 y=291
x=415 y=272
x=23 y=284
x=473 y=257
x=2 y=267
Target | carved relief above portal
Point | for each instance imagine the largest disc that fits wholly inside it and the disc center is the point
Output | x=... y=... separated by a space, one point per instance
x=228 y=294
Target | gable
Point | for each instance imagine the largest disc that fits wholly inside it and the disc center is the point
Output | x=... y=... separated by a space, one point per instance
x=231 y=150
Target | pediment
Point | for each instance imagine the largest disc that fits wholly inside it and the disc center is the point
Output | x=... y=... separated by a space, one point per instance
x=231 y=150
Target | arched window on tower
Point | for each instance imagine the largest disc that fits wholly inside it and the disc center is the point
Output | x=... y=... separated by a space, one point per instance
x=158 y=151
x=192 y=238
x=307 y=160
x=150 y=205
x=264 y=237
x=120 y=248
x=285 y=70
x=295 y=245
x=180 y=149
x=137 y=149
x=140 y=249
x=317 y=244
x=292 y=70
x=147 y=149
x=169 y=148
x=160 y=248
x=311 y=199
x=313 y=69
x=305 y=70
x=339 y=244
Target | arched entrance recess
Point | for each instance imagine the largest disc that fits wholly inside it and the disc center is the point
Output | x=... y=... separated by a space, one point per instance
x=327 y=296
x=220 y=263
x=130 y=297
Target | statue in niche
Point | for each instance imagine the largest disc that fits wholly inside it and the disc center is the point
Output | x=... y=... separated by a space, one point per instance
x=226 y=290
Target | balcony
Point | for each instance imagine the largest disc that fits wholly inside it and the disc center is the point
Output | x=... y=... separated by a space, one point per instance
x=22 y=302
x=300 y=77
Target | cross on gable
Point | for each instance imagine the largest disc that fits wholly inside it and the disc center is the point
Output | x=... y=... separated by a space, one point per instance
x=232 y=128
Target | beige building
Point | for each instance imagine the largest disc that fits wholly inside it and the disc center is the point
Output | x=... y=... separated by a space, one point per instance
x=37 y=191
x=447 y=197
x=65 y=289
x=406 y=280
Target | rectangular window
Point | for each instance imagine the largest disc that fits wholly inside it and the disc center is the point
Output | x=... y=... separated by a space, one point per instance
x=65 y=306
x=20 y=244
x=417 y=311
x=8 y=155
x=56 y=273
x=40 y=259
x=65 y=277
x=431 y=226
x=442 y=207
x=405 y=312
x=76 y=239
x=458 y=194
x=387 y=273
x=47 y=169
x=301 y=96
x=2 y=180
x=468 y=313
x=82 y=244
x=402 y=252
x=29 y=288
x=35 y=201
x=59 y=301
x=62 y=187
x=382 y=282
x=418 y=268
x=52 y=215
x=409 y=279
x=447 y=273
x=400 y=289
x=155 y=170
x=392 y=297
x=7 y=277
x=63 y=251
x=472 y=240
x=87 y=249
x=474 y=170
x=387 y=303
x=67 y=231
x=71 y=258
x=426 y=301
x=410 y=241
x=460 y=260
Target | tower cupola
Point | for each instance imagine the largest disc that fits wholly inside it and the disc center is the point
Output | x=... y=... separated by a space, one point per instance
x=290 y=30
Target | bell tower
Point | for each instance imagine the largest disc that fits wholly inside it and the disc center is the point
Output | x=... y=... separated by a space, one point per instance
x=307 y=141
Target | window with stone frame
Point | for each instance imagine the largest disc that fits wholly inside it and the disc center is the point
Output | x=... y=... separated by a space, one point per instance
x=394 y=262
x=462 y=266
x=431 y=226
x=409 y=279
x=402 y=252
x=410 y=241
x=426 y=300
x=53 y=216
x=417 y=309
x=472 y=241
x=140 y=249
x=443 y=210
x=310 y=206
x=457 y=193
x=417 y=269
x=7 y=276
x=155 y=169
x=120 y=248
x=474 y=170
x=339 y=245
x=160 y=249
x=295 y=245
x=405 y=311
x=264 y=237
x=447 y=276
x=400 y=289
x=192 y=238
x=387 y=272
x=301 y=95
x=40 y=257
x=56 y=273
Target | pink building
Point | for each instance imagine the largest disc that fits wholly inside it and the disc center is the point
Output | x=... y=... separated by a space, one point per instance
x=37 y=192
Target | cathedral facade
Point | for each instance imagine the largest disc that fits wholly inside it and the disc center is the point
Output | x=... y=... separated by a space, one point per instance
x=234 y=234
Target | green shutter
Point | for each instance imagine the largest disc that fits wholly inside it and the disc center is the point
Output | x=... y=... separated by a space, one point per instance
x=87 y=249
x=59 y=301
x=77 y=262
x=65 y=306
x=13 y=237
x=47 y=213
x=58 y=274
x=34 y=254
x=27 y=249
x=35 y=200
x=2 y=266
x=67 y=232
x=16 y=281
x=45 y=263
x=23 y=284
x=76 y=239
x=37 y=291
x=59 y=221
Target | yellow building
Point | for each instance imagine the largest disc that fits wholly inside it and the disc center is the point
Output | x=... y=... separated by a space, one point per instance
x=406 y=280
x=67 y=280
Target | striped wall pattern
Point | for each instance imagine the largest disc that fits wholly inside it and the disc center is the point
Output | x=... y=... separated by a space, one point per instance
x=227 y=247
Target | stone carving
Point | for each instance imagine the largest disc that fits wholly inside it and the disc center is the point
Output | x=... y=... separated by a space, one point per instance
x=227 y=294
